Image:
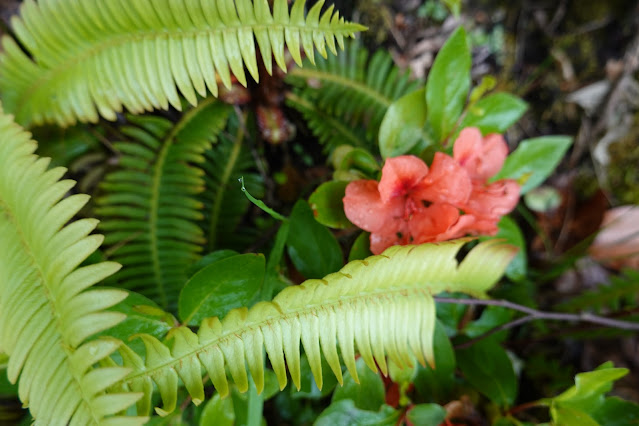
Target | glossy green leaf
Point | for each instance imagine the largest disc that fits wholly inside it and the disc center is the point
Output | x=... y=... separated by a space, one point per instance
x=592 y=384
x=617 y=412
x=448 y=84
x=312 y=248
x=491 y=317
x=212 y=257
x=510 y=232
x=327 y=205
x=403 y=124
x=586 y=400
x=495 y=113
x=345 y=413
x=488 y=368
x=436 y=384
x=226 y=284
x=566 y=415
x=359 y=159
x=368 y=394
x=247 y=406
x=426 y=414
x=534 y=160
x=218 y=411
x=361 y=247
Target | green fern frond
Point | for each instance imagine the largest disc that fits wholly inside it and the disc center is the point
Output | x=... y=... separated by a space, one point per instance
x=150 y=208
x=224 y=202
x=94 y=57
x=352 y=87
x=330 y=130
x=46 y=311
x=622 y=291
x=383 y=305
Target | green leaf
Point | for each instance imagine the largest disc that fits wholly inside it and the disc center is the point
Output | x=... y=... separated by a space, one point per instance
x=569 y=416
x=248 y=406
x=361 y=247
x=436 y=384
x=448 y=84
x=426 y=414
x=617 y=412
x=403 y=124
x=534 y=160
x=313 y=249
x=368 y=394
x=359 y=159
x=210 y=258
x=491 y=317
x=510 y=232
x=345 y=413
x=495 y=113
x=226 y=284
x=591 y=385
x=143 y=315
x=327 y=205
x=218 y=411
x=308 y=388
x=488 y=368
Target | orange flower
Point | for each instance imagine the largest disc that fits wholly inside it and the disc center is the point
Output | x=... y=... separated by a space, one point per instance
x=398 y=209
x=413 y=204
x=481 y=157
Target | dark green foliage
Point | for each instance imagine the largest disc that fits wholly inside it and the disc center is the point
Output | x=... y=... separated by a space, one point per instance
x=353 y=88
x=149 y=208
x=621 y=292
x=224 y=203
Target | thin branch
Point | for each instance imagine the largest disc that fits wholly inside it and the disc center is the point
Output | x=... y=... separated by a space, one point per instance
x=534 y=314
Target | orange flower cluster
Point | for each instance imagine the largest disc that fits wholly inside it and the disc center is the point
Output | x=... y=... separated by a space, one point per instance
x=414 y=204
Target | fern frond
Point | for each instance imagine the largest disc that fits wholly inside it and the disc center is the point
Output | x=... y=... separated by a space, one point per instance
x=622 y=291
x=224 y=203
x=353 y=87
x=94 y=57
x=46 y=311
x=382 y=305
x=331 y=131
x=150 y=208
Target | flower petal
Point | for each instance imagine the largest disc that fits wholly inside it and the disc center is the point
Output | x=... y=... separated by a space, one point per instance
x=364 y=208
x=481 y=157
x=429 y=223
x=494 y=200
x=400 y=175
x=380 y=241
x=446 y=182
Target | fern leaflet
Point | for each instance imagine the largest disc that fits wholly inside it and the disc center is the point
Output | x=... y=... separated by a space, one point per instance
x=331 y=131
x=150 y=208
x=94 y=57
x=383 y=305
x=46 y=311
x=352 y=87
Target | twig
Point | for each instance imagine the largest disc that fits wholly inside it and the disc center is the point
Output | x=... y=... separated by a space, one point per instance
x=534 y=314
